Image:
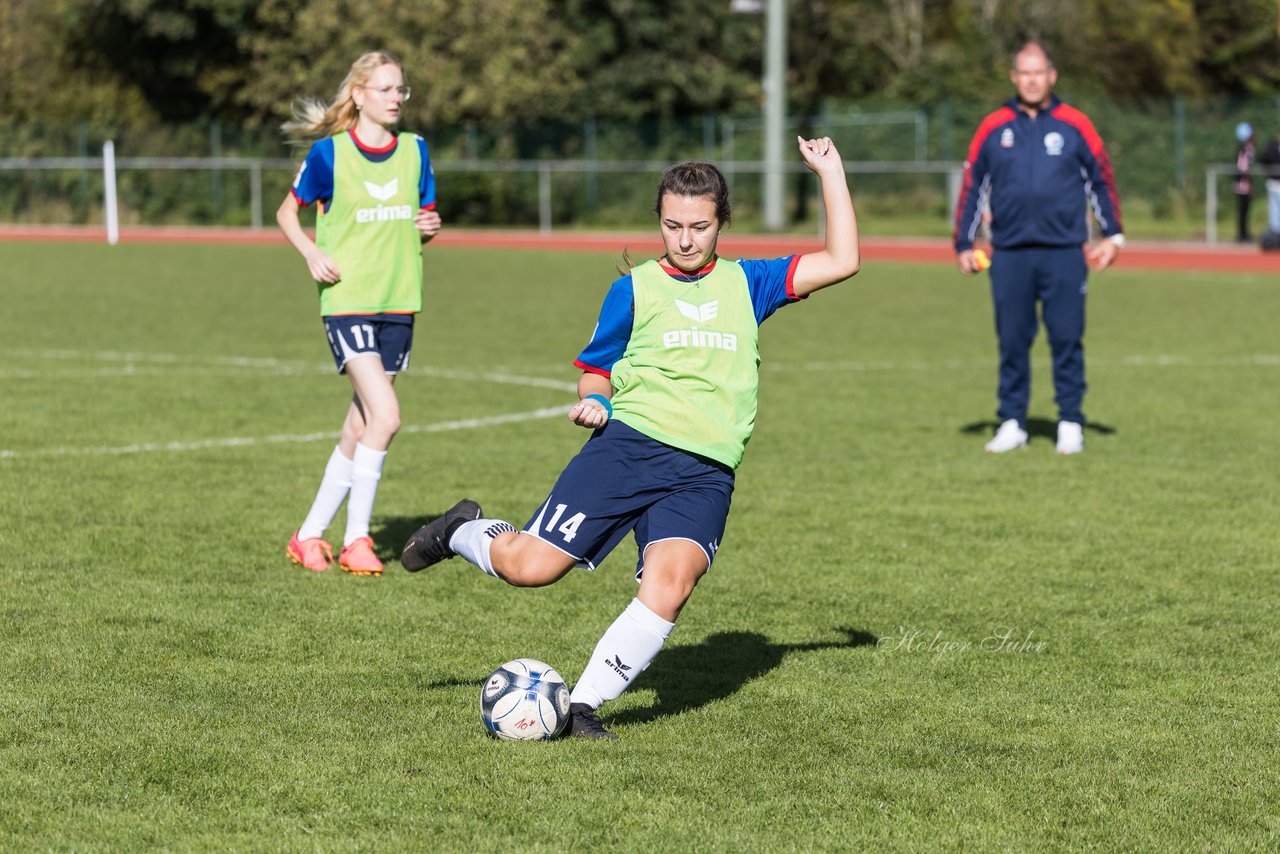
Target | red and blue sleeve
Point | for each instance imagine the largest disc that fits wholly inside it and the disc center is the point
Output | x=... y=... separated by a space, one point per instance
x=427 y=186
x=1101 y=188
x=314 y=181
x=613 y=330
x=973 y=189
x=771 y=284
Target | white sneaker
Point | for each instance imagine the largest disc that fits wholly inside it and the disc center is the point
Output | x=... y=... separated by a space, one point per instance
x=1070 y=437
x=1008 y=437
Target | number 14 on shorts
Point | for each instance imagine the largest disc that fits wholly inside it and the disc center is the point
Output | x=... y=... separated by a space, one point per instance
x=569 y=529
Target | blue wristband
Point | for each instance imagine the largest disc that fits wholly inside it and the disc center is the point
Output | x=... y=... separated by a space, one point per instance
x=603 y=401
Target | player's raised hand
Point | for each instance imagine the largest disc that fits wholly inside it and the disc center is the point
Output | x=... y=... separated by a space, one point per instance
x=820 y=155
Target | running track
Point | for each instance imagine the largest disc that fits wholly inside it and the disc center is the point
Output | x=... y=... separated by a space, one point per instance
x=1138 y=254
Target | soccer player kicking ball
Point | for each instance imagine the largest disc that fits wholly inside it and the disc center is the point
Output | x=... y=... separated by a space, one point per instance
x=669 y=387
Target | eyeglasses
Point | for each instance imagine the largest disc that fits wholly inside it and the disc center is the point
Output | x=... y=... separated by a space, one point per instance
x=386 y=91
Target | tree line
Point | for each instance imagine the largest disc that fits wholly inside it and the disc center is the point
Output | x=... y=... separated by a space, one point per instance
x=494 y=62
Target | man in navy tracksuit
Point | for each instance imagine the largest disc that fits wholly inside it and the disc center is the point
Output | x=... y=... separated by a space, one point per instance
x=1035 y=162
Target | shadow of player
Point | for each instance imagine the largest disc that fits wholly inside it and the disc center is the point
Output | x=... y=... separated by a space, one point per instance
x=687 y=677
x=1037 y=428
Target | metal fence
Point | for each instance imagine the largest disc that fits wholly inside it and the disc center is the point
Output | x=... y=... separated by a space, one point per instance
x=949 y=174
x=903 y=159
x=252 y=166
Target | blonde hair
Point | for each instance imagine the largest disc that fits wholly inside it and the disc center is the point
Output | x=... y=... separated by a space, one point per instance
x=314 y=119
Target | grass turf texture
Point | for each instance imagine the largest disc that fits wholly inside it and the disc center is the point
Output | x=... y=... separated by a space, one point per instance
x=905 y=643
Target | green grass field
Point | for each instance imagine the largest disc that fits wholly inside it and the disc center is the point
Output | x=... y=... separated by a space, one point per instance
x=905 y=643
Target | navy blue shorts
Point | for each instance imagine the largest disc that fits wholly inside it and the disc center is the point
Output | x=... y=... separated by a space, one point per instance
x=388 y=335
x=623 y=480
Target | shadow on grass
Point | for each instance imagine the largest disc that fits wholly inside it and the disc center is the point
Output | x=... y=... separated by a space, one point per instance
x=683 y=677
x=390 y=534
x=1042 y=428
x=453 y=682
x=687 y=677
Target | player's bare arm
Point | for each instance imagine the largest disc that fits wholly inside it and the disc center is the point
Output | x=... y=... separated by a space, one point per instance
x=841 y=257
x=321 y=266
x=589 y=411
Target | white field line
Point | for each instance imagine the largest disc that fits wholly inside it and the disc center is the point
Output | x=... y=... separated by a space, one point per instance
x=154 y=365
x=1264 y=360
x=246 y=441
x=192 y=365
x=132 y=366
x=133 y=371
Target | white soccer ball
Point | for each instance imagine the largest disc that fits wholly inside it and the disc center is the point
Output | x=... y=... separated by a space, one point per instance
x=524 y=699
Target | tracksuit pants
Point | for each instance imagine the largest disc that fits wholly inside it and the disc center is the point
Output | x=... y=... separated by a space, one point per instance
x=1056 y=278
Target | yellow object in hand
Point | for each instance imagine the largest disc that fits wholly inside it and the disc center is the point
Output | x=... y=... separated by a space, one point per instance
x=981 y=259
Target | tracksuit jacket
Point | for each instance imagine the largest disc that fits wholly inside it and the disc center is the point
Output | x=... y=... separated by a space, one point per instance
x=1030 y=171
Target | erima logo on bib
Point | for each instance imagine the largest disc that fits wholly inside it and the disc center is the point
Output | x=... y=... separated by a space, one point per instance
x=384 y=192
x=699 y=313
x=695 y=337
x=383 y=213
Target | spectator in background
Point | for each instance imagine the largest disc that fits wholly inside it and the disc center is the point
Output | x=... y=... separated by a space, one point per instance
x=1270 y=160
x=1037 y=161
x=1244 y=182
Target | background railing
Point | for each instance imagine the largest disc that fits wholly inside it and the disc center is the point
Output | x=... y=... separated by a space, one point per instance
x=545 y=171
x=91 y=181
x=903 y=161
x=214 y=165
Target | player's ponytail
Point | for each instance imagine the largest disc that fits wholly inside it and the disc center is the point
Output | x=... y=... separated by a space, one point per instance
x=627 y=263
x=314 y=119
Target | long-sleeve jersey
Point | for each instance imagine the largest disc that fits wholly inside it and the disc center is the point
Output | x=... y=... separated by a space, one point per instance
x=1036 y=173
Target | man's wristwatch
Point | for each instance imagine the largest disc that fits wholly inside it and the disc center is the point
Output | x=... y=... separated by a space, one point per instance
x=1118 y=240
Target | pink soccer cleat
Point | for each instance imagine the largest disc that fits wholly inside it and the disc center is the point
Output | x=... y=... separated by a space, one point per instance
x=358 y=558
x=314 y=553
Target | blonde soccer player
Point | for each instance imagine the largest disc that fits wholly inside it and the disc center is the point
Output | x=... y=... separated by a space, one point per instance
x=376 y=197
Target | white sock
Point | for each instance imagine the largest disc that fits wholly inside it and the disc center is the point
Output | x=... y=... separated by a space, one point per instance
x=366 y=471
x=333 y=491
x=623 y=653
x=473 y=539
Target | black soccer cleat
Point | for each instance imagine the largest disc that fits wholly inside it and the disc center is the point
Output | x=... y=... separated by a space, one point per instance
x=430 y=544
x=583 y=723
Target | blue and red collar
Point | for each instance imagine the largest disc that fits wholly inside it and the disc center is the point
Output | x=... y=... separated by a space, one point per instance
x=369 y=149
x=682 y=275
